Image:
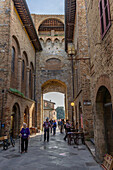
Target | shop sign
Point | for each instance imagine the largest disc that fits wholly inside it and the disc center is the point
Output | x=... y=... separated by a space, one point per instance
x=87 y=102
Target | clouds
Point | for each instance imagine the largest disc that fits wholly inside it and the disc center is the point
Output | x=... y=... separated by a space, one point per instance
x=46 y=6
x=58 y=98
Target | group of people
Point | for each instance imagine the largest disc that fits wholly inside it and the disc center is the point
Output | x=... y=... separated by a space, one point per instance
x=25 y=132
x=47 y=125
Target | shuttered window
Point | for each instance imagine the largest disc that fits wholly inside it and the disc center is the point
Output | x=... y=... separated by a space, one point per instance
x=104 y=16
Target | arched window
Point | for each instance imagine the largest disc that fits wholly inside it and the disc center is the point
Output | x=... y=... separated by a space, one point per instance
x=23 y=69
x=13 y=60
x=30 y=78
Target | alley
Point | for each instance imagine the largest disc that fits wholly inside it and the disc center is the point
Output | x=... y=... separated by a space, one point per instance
x=56 y=154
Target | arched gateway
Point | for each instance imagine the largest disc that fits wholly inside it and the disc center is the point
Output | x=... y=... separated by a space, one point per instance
x=53 y=81
x=103 y=123
x=53 y=73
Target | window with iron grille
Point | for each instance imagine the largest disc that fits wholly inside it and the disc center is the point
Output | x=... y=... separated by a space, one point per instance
x=104 y=16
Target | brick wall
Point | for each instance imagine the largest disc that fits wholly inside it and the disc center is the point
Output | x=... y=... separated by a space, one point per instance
x=101 y=71
x=13 y=34
x=82 y=70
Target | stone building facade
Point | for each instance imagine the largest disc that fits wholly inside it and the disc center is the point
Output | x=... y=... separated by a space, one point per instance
x=100 y=30
x=49 y=110
x=76 y=34
x=92 y=37
x=53 y=66
x=17 y=66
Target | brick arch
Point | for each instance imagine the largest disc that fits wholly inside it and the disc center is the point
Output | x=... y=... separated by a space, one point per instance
x=25 y=63
x=63 y=39
x=48 y=39
x=49 y=17
x=26 y=57
x=42 y=40
x=15 y=54
x=103 y=122
x=53 y=63
x=54 y=86
x=18 y=45
x=15 y=119
x=103 y=80
x=56 y=39
x=31 y=80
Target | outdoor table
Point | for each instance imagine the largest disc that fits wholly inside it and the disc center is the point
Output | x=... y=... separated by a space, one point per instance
x=75 y=136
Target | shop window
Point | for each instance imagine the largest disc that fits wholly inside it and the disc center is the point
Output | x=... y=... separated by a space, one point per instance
x=13 y=60
x=104 y=16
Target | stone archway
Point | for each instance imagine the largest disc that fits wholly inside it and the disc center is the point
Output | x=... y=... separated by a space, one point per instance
x=54 y=86
x=15 y=120
x=104 y=123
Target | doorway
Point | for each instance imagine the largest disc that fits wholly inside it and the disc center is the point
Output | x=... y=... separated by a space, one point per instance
x=15 y=121
x=104 y=121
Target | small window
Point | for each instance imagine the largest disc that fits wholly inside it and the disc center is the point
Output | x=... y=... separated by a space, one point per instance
x=13 y=60
x=104 y=16
x=23 y=70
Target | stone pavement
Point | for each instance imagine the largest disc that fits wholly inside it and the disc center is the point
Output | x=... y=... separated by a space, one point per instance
x=55 y=155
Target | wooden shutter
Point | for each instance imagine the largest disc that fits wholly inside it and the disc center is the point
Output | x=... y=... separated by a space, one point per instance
x=101 y=16
x=104 y=16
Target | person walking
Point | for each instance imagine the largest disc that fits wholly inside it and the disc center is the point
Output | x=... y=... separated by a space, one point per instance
x=67 y=129
x=24 y=134
x=51 y=123
x=61 y=126
x=54 y=127
x=46 y=126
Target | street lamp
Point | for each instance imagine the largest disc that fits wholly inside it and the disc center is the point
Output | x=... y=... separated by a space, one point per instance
x=72 y=104
x=71 y=53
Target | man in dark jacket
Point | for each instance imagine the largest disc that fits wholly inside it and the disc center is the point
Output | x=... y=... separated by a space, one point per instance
x=46 y=126
x=67 y=129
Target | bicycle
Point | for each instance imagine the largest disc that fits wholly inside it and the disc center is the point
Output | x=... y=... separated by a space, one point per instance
x=7 y=142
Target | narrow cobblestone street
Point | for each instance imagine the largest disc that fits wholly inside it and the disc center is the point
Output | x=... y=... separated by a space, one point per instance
x=56 y=154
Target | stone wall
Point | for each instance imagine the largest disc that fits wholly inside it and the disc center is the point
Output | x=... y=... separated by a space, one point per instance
x=13 y=34
x=50 y=80
x=83 y=107
x=101 y=71
x=53 y=68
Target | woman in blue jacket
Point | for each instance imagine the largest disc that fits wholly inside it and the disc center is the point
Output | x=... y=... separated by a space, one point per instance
x=24 y=134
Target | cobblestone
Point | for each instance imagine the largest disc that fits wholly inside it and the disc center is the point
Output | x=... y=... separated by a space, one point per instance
x=56 y=154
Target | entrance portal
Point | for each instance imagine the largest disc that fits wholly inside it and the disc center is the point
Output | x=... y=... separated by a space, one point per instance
x=104 y=122
x=54 y=86
x=15 y=121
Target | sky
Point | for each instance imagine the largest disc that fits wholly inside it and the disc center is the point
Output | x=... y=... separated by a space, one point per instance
x=58 y=98
x=46 y=6
x=49 y=7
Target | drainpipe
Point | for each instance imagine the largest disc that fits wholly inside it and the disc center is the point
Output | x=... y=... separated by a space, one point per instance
x=88 y=32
